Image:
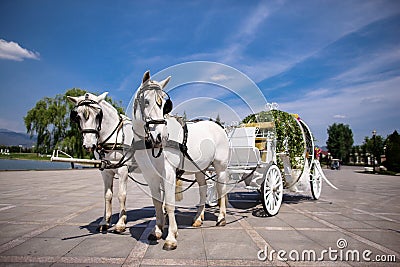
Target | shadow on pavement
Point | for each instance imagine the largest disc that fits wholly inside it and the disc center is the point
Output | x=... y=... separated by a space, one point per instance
x=132 y=215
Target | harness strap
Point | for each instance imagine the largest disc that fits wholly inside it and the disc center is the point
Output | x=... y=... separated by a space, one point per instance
x=116 y=129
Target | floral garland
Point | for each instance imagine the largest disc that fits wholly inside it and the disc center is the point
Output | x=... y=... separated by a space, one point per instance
x=286 y=127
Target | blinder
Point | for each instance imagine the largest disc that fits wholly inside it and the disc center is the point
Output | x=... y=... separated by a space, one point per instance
x=74 y=117
x=167 y=105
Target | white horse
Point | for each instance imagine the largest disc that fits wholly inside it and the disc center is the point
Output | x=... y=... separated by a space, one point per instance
x=107 y=133
x=206 y=142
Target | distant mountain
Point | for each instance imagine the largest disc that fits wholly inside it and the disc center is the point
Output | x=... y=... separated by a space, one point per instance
x=10 y=138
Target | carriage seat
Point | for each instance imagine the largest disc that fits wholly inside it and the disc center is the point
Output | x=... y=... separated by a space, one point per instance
x=242 y=147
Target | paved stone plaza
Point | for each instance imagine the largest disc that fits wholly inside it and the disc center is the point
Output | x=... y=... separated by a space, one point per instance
x=49 y=218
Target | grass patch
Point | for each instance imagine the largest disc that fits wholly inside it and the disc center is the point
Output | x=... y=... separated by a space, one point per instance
x=25 y=156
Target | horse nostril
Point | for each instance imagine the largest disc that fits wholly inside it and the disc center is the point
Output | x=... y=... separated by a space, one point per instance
x=158 y=139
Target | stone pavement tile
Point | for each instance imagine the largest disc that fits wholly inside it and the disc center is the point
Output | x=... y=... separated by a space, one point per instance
x=93 y=215
x=384 y=225
x=4 y=240
x=393 y=216
x=135 y=216
x=109 y=245
x=374 y=264
x=66 y=232
x=136 y=232
x=274 y=221
x=173 y=262
x=229 y=244
x=16 y=230
x=23 y=208
x=289 y=217
x=42 y=247
x=42 y=217
x=185 y=217
x=331 y=240
x=298 y=220
x=9 y=215
x=190 y=246
x=390 y=239
x=319 y=205
x=24 y=264
x=58 y=264
x=351 y=224
x=288 y=240
x=285 y=208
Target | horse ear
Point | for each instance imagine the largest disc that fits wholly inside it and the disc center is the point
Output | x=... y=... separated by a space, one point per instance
x=72 y=99
x=102 y=97
x=146 y=76
x=165 y=82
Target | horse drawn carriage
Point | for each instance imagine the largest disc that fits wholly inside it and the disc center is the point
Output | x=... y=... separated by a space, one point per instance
x=256 y=160
x=270 y=152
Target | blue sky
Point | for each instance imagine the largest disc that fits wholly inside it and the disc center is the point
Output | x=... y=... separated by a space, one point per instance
x=329 y=61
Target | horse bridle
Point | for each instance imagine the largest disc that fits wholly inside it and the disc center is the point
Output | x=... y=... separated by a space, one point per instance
x=88 y=103
x=140 y=102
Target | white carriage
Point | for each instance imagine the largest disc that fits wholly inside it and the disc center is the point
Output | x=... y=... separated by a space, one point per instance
x=255 y=160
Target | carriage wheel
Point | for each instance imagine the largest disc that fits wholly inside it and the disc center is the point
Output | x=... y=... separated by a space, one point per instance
x=272 y=190
x=315 y=181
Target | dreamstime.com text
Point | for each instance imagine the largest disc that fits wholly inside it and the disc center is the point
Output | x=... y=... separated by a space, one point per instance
x=341 y=253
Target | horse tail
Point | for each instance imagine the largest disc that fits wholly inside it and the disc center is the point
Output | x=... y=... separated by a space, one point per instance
x=178 y=190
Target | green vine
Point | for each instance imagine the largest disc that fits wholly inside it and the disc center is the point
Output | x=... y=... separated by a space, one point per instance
x=286 y=126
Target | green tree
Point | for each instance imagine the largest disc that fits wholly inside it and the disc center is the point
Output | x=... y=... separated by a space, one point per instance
x=375 y=148
x=49 y=120
x=392 y=144
x=340 y=141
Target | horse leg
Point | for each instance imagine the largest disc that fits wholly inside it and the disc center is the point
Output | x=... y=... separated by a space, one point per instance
x=108 y=177
x=123 y=180
x=222 y=177
x=169 y=187
x=157 y=232
x=199 y=218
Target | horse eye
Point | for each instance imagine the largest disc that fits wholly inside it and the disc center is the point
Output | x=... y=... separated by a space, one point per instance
x=146 y=103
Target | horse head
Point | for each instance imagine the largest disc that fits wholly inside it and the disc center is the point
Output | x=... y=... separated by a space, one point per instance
x=88 y=114
x=151 y=104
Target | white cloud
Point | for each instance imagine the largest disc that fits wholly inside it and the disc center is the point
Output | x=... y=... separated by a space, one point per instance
x=246 y=33
x=338 y=116
x=13 y=51
x=316 y=38
x=370 y=68
x=219 y=77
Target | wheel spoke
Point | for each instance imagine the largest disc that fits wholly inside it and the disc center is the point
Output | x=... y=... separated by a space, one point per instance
x=272 y=190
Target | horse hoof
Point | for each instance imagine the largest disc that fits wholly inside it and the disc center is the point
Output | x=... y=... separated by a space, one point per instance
x=197 y=223
x=102 y=228
x=222 y=222
x=154 y=237
x=119 y=230
x=169 y=246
